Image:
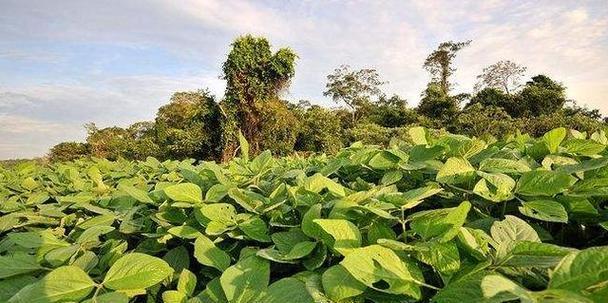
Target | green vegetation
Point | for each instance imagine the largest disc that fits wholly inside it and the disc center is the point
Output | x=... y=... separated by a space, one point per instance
x=200 y=126
x=432 y=217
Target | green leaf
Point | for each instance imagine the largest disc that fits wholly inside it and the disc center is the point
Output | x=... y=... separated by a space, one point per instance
x=287 y=290
x=554 y=138
x=244 y=147
x=495 y=187
x=187 y=282
x=443 y=223
x=317 y=182
x=255 y=228
x=505 y=166
x=341 y=235
x=172 y=296
x=111 y=297
x=384 y=160
x=513 y=229
x=545 y=210
x=136 y=271
x=418 y=135
x=584 y=147
x=17 y=264
x=412 y=198
x=339 y=284
x=544 y=183
x=136 y=193
x=208 y=254
x=222 y=217
x=534 y=254
x=380 y=268
x=443 y=257
x=184 y=192
x=185 y=232
x=469 y=289
x=245 y=280
x=308 y=226
x=456 y=171
x=583 y=271
x=64 y=284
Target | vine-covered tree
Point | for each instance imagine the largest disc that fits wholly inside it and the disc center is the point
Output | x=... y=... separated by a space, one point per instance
x=439 y=63
x=254 y=76
x=504 y=75
x=356 y=88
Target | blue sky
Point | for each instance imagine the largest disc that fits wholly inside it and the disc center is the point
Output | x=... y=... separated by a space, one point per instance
x=66 y=63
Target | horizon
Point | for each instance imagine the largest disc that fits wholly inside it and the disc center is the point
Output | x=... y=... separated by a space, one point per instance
x=64 y=65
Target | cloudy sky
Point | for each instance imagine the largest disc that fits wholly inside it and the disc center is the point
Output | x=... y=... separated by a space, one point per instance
x=66 y=63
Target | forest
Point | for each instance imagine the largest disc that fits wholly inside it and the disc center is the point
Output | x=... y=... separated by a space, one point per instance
x=198 y=125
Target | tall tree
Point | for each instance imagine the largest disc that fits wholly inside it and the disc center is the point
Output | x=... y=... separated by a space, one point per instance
x=439 y=63
x=540 y=96
x=355 y=88
x=254 y=76
x=504 y=75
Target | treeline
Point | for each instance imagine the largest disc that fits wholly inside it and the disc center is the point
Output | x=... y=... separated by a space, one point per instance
x=198 y=125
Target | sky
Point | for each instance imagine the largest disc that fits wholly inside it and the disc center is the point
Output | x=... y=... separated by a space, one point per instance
x=66 y=63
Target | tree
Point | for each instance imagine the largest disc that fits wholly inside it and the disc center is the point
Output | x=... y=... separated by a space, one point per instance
x=439 y=63
x=391 y=112
x=188 y=127
x=437 y=104
x=540 y=96
x=504 y=75
x=254 y=76
x=68 y=151
x=490 y=96
x=320 y=130
x=355 y=88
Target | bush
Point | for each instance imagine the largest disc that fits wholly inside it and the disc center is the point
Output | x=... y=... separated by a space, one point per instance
x=68 y=151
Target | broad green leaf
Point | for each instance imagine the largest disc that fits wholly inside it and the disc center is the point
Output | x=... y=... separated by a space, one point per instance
x=208 y=254
x=469 y=289
x=136 y=193
x=341 y=235
x=544 y=210
x=111 y=297
x=418 y=135
x=318 y=182
x=497 y=285
x=381 y=269
x=339 y=284
x=584 y=271
x=136 y=271
x=287 y=290
x=554 y=138
x=505 y=166
x=456 y=171
x=412 y=198
x=187 y=282
x=244 y=281
x=173 y=296
x=185 y=232
x=17 y=264
x=443 y=257
x=63 y=284
x=244 y=146
x=513 y=229
x=255 y=228
x=443 y=223
x=384 y=160
x=584 y=147
x=496 y=187
x=308 y=226
x=544 y=183
x=185 y=192
x=534 y=254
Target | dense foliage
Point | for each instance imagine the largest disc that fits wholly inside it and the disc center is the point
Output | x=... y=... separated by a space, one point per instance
x=434 y=217
x=198 y=125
